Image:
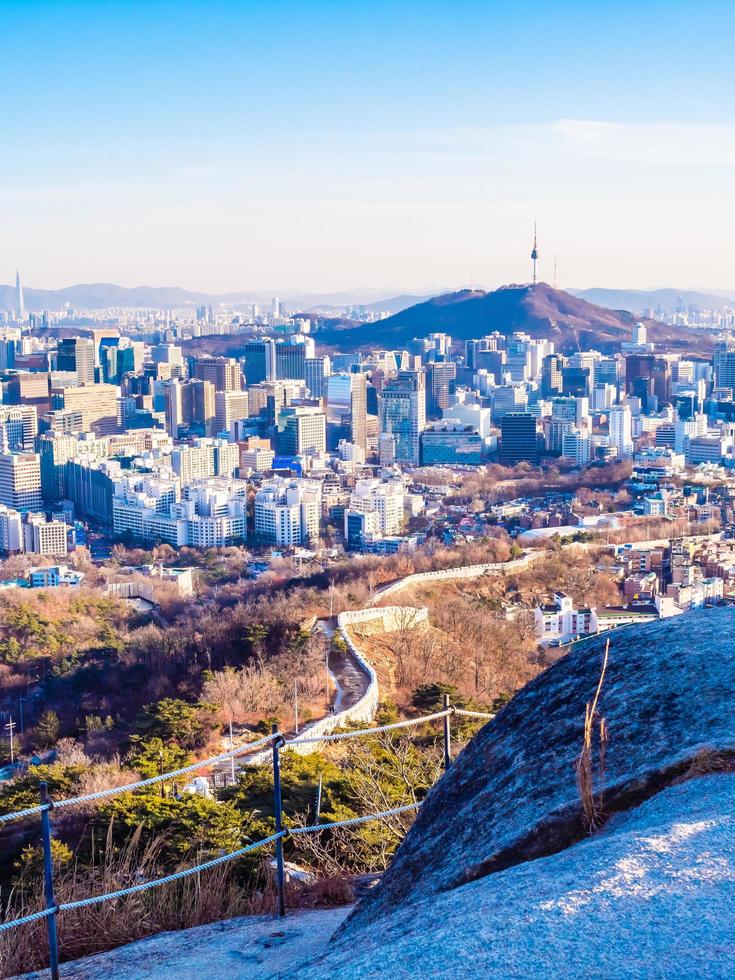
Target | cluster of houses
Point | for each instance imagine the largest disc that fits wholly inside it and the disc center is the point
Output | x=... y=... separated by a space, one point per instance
x=657 y=582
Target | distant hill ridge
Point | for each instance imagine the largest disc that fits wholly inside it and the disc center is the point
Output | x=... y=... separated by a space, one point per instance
x=669 y=300
x=103 y=295
x=538 y=310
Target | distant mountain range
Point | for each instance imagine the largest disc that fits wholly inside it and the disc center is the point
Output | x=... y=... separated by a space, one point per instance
x=103 y=295
x=667 y=300
x=538 y=310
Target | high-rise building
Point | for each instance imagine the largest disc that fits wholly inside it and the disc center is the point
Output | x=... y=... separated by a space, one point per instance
x=260 y=361
x=576 y=381
x=476 y=416
x=440 y=387
x=384 y=501
x=301 y=430
x=649 y=378
x=509 y=398
x=203 y=406
x=230 y=407
x=18 y=427
x=223 y=372
x=723 y=361
x=177 y=408
x=518 y=440
x=77 y=354
x=552 y=381
x=226 y=458
x=256 y=456
x=55 y=450
x=402 y=414
x=65 y=420
x=448 y=443
x=584 y=361
x=8 y=349
x=518 y=353
x=576 y=445
x=347 y=409
x=194 y=461
x=90 y=485
x=474 y=347
x=27 y=388
x=97 y=403
x=316 y=372
x=20 y=306
x=170 y=354
x=129 y=358
x=20 y=481
x=621 y=430
x=291 y=357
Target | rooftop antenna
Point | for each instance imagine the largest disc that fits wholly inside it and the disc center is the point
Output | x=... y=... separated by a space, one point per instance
x=534 y=253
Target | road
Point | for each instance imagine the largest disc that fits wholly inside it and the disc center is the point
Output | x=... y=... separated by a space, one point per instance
x=349 y=682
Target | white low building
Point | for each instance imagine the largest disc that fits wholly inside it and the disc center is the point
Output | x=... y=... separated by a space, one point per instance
x=212 y=513
x=55 y=576
x=288 y=512
x=560 y=622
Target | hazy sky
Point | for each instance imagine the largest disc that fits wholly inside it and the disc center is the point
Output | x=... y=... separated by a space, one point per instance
x=318 y=146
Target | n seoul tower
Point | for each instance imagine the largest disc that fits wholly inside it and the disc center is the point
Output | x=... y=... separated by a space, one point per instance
x=534 y=253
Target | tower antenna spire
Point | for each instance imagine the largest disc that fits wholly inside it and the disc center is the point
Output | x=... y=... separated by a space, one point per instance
x=534 y=253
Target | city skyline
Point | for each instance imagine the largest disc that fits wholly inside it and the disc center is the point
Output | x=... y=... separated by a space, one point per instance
x=258 y=148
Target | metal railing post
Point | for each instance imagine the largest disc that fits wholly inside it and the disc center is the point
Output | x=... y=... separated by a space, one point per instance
x=48 y=882
x=277 y=806
x=447 y=736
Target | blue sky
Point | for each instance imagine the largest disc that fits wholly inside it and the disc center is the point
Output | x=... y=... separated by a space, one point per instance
x=325 y=145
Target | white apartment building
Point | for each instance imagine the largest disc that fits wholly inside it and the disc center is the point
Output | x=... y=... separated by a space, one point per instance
x=193 y=462
x=621 y=430
x=212 y=513
x=383 y=499
x=226 y=458
x=42 y=537
x=576 y=445
x=20 y=481
x=685 y=429
x=11 y=530
x=256 y=460
x=288 y=512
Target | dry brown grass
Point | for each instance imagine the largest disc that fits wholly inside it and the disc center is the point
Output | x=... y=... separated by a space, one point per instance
x=706 y=762
x=207 y=897
x=593 y=805
x=220 y=893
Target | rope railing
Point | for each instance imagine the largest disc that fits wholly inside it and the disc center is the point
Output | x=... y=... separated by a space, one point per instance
x=354 y=821
x=337 y=736
x=471 y=714
x=205 y=866
x=278 y=743
x=296 y=742
x=139 y=784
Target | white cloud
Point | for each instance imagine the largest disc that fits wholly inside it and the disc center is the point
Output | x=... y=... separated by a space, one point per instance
x=657 y=143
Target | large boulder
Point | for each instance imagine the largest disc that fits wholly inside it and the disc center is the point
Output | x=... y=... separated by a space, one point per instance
x=511 y=798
